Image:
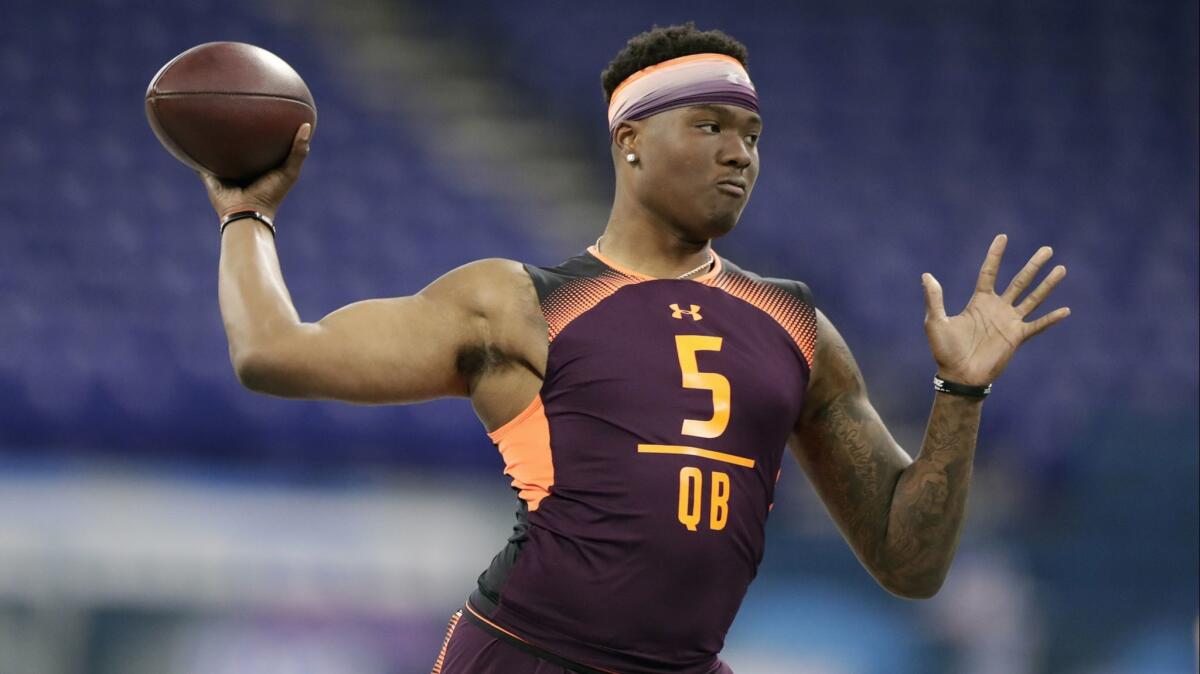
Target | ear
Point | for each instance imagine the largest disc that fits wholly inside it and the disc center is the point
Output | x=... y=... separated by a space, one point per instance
x=626 y=137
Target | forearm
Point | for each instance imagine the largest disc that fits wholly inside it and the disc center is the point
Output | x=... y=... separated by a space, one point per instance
x=903 y=517
x=929 y=501
x=255 y=304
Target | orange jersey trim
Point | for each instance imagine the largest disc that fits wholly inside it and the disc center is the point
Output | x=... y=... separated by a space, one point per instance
x=800 y=324
x=799 y=320
x=577 y=297
x=524 y=443
x=574 y=299
x=711 y=273
x=479 y=615
x=500 y=433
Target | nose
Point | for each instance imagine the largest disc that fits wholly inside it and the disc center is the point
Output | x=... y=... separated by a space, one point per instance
x=734 y=152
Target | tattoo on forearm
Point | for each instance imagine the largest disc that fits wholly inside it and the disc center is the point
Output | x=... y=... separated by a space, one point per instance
x=860 y=483
x=849 y=432
x=928 y=507
x=902 y=517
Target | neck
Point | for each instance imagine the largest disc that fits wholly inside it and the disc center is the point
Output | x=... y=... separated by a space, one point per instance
x=636 y=240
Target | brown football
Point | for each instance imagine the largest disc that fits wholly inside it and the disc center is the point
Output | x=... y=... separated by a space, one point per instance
x=228 y=108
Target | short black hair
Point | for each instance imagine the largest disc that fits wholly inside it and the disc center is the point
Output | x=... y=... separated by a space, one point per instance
x=663 y=44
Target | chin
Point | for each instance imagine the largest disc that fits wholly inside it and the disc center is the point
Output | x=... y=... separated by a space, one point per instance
x=721 y=225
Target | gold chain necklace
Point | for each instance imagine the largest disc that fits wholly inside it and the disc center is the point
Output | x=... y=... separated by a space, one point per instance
x=706 y=265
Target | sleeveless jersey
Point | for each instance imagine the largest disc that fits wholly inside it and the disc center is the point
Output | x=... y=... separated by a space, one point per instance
x=646 y=466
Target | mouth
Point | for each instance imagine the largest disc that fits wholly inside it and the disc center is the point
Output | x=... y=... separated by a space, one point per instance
x=735 y=187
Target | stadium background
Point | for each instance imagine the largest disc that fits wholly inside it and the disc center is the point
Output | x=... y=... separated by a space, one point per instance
x=154 y=517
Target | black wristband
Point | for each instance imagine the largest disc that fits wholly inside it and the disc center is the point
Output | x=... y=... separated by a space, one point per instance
x=942 y=386
x=242 y=215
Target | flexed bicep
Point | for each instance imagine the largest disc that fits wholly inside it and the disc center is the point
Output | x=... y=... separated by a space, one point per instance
x=393 y=350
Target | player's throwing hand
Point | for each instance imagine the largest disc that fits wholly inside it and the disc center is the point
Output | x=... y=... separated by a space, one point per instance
x=974 y=347
x=266 y=193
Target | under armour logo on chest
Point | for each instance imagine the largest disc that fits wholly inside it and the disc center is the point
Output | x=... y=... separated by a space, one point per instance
x=694 y=312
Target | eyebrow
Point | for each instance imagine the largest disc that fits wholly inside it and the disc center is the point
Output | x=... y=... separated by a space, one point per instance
x=754 y=118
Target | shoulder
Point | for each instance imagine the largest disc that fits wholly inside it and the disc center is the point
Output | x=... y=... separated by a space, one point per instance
x=480 y=279
x=548 y=280
x=789 y=302
x=796 y=289
x=835 y=373
x=486 y=288
x=478 y=272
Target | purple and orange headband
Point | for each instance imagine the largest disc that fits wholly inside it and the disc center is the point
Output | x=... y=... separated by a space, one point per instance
x=680 y=82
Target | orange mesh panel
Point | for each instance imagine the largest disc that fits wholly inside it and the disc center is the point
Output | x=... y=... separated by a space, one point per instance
x=578 y=296
x=524 y=442
x=796 y=317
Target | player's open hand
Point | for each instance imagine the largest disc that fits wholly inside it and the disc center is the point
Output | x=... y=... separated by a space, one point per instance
x=266 y=193
x=975 y=346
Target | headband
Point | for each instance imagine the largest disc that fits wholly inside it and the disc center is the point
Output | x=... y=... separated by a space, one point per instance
x=680 y=82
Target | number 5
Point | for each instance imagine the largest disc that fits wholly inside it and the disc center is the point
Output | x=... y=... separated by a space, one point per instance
x=687 y=346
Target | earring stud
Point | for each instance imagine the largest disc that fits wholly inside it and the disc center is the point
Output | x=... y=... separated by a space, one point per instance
x=631 y=158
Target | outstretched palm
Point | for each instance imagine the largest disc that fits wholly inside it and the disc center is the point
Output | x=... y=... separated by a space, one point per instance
x=975 y=346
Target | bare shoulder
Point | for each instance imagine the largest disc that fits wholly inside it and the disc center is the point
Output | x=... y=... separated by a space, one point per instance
x=505 y=360
x=484 y=287
x=499 y=297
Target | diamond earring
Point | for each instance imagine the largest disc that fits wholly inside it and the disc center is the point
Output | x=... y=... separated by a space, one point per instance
x=631 y=158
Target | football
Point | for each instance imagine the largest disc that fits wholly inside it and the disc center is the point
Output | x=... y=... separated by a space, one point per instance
x=228 y=108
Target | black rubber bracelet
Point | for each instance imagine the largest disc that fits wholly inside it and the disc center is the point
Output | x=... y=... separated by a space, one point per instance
x=942 y=386
x=242 y=215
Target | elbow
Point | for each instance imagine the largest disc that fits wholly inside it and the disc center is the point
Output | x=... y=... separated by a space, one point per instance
x=279 y=365
x=259 y=371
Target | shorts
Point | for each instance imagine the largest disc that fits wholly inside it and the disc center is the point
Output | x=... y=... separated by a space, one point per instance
x=469 y=649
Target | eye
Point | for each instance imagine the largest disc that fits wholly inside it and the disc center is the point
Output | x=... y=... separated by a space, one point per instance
x=716 y=128
x=752 y=139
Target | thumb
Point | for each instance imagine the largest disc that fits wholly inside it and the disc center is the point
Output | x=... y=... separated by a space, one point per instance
x=935 y=310
x=268 y=190
x=300 y=146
